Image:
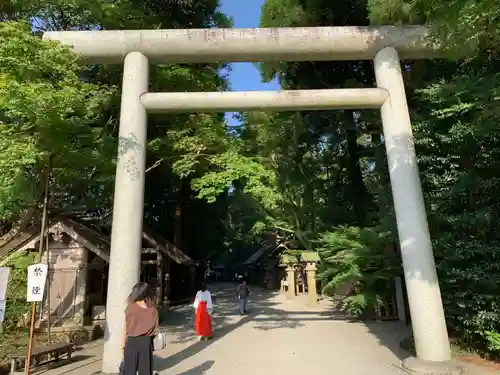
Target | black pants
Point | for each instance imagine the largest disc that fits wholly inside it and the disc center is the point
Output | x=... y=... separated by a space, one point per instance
x=138 y=356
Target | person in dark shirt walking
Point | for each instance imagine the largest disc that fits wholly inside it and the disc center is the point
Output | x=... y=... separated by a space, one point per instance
x=242 y=292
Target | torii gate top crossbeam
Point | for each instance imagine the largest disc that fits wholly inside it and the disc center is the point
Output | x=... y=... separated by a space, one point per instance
x=248 y=45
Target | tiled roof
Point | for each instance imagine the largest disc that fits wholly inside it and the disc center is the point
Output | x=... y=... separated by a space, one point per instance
x=309 y=256
x=87 y=236
x=172 y=251
x=18 y=240
x=258 y=254
x=95 y=241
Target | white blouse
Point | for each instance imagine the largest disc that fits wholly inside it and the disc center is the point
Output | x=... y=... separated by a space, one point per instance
x=205 y=297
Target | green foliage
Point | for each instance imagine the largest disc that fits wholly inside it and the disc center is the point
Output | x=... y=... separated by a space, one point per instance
x=355 y=260
x=17 y=307
x=468 y=269
x=493 y=340
x=257 y=180
x=46 y=110
x=82 y=140
x=459 y=26
x=458 y=146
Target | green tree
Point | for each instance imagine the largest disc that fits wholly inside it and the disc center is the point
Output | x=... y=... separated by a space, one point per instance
x=459 y=26
x=185 y=142
x=454 y=106
x=357 y=260
x=48 y=113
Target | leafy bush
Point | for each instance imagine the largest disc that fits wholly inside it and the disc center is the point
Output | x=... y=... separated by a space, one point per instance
x=356 y=259
x=493 y=341
x=17 y=307
x=469 y=274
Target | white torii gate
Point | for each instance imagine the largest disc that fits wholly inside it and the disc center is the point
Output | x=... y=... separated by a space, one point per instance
x=386 y=45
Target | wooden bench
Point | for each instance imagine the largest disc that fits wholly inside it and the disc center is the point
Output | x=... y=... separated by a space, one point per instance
x=38 y=354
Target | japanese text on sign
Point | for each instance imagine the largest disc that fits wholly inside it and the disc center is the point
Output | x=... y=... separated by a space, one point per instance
x=37 y=275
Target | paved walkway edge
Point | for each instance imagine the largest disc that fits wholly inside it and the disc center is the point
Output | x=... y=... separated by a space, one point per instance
x=419 y=366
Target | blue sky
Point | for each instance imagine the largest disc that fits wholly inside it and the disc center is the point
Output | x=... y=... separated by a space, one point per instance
x=244 y=76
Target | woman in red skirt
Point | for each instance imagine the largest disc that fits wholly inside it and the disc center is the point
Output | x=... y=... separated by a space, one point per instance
x=203 y=307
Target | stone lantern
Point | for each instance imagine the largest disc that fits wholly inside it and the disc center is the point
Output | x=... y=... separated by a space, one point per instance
x=289 y=262
x=311 y=259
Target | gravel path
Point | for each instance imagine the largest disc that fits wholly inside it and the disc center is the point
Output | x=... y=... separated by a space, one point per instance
x=280 y=337
x=277 y=337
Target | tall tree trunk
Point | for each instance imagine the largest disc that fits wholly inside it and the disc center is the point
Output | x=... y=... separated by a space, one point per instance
x=358 y=190
x=178 y=239
x=178 y=229
x=383 y=190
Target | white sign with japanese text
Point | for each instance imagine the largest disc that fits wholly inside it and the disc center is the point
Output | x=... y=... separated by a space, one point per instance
x=37 y=275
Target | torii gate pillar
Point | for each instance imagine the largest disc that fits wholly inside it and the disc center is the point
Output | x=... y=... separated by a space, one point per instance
x=424 y=296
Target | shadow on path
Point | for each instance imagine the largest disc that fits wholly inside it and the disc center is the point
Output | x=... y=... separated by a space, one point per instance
x=284 y=336
x=225 y=320
x=390 y=334
x=267 y=311
x=200 y=369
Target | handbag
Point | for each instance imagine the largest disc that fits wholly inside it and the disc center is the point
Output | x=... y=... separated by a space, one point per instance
x=159 y=341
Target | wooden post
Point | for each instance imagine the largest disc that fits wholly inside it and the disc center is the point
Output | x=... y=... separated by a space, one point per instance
x=30 y=340
x=40 y=251
x=167 y=277
x=159 y=277
x=192 y=280
x=290 y=270
x=47 y=293
x=400 y=299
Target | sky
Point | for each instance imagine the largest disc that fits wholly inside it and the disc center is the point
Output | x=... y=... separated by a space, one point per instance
x=245 y=76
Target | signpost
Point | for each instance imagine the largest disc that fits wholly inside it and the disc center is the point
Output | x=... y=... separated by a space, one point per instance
x=37 y=275
x=4 y=282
